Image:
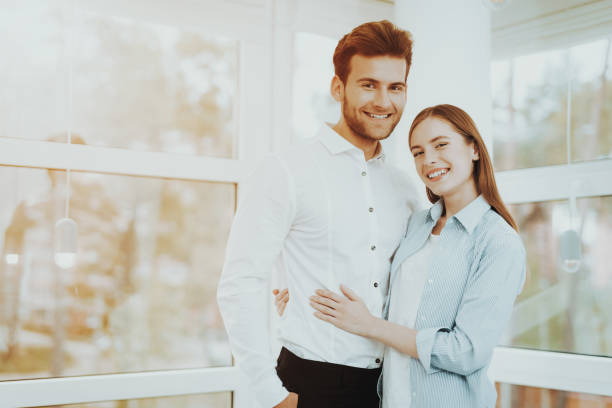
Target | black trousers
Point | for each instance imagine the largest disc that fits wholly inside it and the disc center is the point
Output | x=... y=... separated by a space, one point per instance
x=327 y=385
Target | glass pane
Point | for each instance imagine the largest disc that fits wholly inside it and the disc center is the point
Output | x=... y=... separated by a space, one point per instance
x=135 y=85
x=592 y=100
x=565 y=307
x=141 y=294
x=529 y=110
x=313 y=72
x=216 y=400
x=516 y=396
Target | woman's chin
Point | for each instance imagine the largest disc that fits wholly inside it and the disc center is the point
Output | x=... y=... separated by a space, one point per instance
x=436 y=191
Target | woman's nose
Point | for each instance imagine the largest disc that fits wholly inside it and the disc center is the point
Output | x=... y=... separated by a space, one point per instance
x=430 y=157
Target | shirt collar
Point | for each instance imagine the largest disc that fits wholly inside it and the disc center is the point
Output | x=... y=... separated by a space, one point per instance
x=336 y=144
x=469 y=216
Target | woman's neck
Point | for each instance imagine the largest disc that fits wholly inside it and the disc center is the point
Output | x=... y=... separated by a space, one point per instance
x=452 y=204
x=455 y=202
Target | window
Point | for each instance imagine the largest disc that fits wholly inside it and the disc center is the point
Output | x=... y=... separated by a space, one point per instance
x=516 y=396
x=312 y=103
x=561 y=310
x=213 y=400
x=141 y=295
x=116 y=81
x=552 y=143
x=530 y=106
x=149 y=94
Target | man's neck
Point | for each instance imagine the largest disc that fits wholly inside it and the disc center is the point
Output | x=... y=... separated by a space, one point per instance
x=369 y=147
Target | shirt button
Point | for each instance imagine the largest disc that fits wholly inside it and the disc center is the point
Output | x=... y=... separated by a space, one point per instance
x=414 y=394
x=371 y=209
x=375 y=284
x=363 y=173
x=430 y=281
x=377 y=361
x=373 y=247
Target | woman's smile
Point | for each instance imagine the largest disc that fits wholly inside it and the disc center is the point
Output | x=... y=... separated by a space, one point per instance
x=437 y=174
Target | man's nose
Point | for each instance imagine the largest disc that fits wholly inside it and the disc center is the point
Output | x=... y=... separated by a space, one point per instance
x=382 y=99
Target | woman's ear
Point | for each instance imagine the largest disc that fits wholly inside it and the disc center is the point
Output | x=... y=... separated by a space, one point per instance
x=475 y=155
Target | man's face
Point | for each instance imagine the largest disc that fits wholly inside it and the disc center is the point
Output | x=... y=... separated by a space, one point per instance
x=374 y=95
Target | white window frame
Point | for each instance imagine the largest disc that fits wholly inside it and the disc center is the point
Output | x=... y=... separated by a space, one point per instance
x=537 y=368
x=250 y=26
x=111 y=387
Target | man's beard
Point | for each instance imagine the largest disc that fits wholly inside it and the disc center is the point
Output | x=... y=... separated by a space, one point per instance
x=359 y=127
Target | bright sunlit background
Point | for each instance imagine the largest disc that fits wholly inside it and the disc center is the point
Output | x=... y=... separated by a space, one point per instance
x=173 y=102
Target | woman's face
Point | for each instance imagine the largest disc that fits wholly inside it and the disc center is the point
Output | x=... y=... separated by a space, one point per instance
x=443 y=159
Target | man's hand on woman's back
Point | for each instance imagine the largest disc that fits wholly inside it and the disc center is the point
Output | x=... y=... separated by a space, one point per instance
x=281 y=297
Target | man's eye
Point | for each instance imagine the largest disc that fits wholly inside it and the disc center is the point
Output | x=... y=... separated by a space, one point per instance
x=417 y=154
x=441 y=145
x=369 y=86
x=397 y=88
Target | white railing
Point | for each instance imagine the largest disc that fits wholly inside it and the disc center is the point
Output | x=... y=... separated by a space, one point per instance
x=534 y=368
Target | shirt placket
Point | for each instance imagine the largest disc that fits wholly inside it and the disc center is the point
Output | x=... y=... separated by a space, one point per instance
x=375 y=283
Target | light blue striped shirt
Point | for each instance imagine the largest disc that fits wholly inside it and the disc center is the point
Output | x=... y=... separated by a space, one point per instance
x=474 y=277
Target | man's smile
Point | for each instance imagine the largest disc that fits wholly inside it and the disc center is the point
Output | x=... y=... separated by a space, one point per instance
x=378 y=115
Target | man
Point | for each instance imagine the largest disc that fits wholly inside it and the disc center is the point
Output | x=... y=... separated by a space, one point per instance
x=327 y=212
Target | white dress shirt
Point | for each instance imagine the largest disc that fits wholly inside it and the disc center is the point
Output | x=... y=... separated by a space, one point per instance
x=403 y=307
x=325 y=216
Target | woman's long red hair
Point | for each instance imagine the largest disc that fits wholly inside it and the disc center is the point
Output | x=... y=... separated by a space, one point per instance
x=483 y=168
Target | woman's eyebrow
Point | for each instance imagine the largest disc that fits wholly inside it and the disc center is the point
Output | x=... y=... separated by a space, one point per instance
x=435 y=139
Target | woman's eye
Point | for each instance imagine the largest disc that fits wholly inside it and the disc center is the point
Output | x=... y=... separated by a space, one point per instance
x=417 y=154
x=441 y=145
x=370 y=86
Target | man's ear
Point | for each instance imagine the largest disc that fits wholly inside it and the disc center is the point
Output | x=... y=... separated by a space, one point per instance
x=337 y=89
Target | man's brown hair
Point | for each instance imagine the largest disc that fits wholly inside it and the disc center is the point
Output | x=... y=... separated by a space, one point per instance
x=373 y=39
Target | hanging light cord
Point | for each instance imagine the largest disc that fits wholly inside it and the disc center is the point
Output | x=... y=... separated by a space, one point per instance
x=568 y=141
x=70 y=74
x=568 y=127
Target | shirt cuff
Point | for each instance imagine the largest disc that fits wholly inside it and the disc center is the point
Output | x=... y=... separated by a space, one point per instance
x=425 y=340
x=269 y=391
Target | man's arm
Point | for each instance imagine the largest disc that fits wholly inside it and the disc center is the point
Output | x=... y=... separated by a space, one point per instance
x=261 y=224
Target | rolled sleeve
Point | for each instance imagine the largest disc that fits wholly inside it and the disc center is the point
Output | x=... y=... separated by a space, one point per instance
x=483 y=314
x=262 y=222
x=425 y=340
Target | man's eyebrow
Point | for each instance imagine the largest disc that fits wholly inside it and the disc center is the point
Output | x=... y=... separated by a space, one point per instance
x=377 y=81
x=368 y=80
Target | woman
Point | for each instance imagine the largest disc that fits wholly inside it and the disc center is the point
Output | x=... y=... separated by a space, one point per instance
x=454 y=277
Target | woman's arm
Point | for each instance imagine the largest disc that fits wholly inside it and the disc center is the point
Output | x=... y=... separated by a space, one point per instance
x=482 y=316
x=401 y=338
x=484 y=312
